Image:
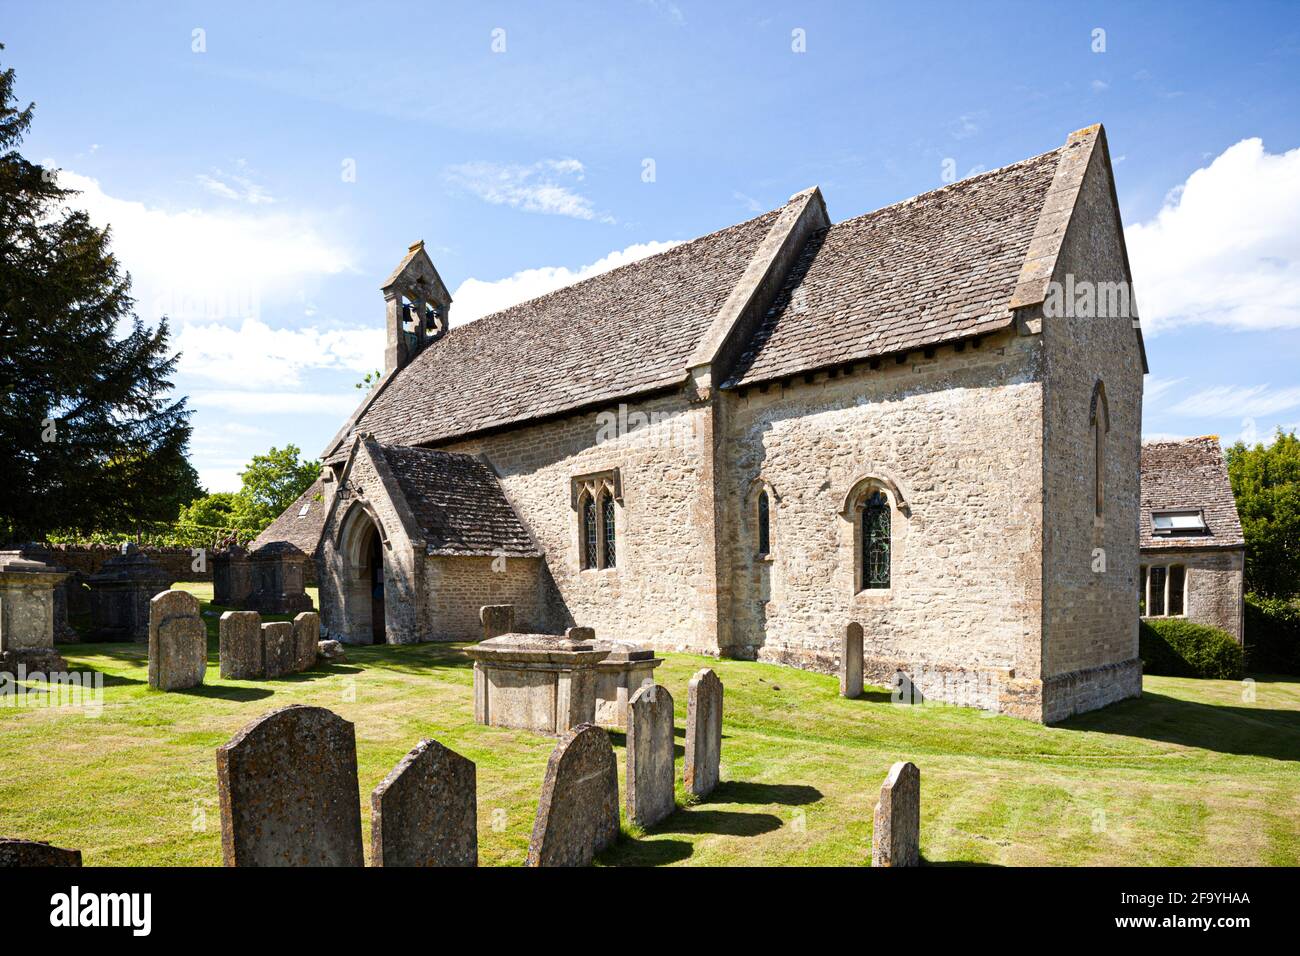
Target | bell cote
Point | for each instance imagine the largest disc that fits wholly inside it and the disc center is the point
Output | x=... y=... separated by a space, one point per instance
x=418 y=307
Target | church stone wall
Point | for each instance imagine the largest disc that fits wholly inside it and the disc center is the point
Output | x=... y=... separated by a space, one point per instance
x=660 y=591
x=457 y=587
x=960 y=435
x=1090 y=614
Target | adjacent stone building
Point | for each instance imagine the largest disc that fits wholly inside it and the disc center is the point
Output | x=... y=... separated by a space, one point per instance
x=1193 y=551
x=925 y=420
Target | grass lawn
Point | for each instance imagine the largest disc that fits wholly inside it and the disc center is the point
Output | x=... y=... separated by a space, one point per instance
x=1191 y=774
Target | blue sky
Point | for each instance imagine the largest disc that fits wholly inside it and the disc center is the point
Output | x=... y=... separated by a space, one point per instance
x=265 y=165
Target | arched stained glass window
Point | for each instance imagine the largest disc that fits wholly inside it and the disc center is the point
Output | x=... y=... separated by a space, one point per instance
x=875 y=541
x=607 y=522
x=764 y=525
x=589 y=539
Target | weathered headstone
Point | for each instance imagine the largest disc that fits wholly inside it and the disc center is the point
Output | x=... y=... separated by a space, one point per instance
x=241 y=646
x=650 y=743
x=288 y=789
x=703 y=732
x=34 y=853
x=577 y=815
x=896 y=836
x=497 y=619
x=851 y=661
x=425 y=813
x=178 y=641
x=306 y=635
x=278 y=648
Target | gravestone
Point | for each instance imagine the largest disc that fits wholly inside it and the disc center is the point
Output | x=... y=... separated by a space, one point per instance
x=577 y=815
x=34 y=853
x=703 y=732
x=650 y=743
x=896 y=836
x=497 y=619
x=178 y=641
x=278 y=648
x=288 y=789
x=306 y=635
x=851 y=661
x=425 y=813
x=241 y=646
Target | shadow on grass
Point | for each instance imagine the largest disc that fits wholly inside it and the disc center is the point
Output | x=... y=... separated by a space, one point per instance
x=226 y=692
x=722 y=822
x=1245 y=731
x=630 y=852
x=953 y=864
x=783 y=794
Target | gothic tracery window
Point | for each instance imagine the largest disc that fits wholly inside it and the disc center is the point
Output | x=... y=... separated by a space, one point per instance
x=596 y=499
x=590 y=555
x=607 y=523
x=764 y=524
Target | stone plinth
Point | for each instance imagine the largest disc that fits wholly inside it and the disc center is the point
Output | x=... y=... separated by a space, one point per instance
x=120 y=593
x=27 y=613
x=539 y=682
x=278 y=572
x=619 y=676
x=232 y=580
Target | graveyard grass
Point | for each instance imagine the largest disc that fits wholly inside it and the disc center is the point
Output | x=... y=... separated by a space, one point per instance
x=1190 y=774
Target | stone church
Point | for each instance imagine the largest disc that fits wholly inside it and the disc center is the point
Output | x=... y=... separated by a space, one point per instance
x=741 y=445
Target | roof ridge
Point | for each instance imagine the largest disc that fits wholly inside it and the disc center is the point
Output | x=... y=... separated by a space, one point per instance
x=679 y=245
x=965 y=182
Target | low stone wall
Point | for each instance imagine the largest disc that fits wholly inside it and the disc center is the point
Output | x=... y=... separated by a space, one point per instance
x=177 y=562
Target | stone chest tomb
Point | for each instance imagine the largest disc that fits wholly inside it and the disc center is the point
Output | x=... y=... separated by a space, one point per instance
x=120 y=593
x=628 y=666
x=539 y=682
x=27 y=613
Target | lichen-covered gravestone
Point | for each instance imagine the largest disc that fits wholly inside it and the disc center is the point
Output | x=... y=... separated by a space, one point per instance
x=577 y=816
x=241 y=646
x=33 y=853
x=497 y=619
x=703 y=732
x=650 y=742
x=278 y=647
x=178 y=641
x=896 y=836
x=851 y=661
x=288 y=789
x=425 y=813
x=306 y=635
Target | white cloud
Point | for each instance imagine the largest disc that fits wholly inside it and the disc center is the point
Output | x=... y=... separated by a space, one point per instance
x=253 y=352
x=333 y=404
x=1238 y=401
x=1155 y=389
x=535 y=188
x=196 y=263
x=1099 y=86
x=235 y=186
x=475 y=298
x=1162 y=436
x=1224 y=249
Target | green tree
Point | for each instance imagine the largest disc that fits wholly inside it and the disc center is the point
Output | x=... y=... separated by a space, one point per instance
x=271 y=483
x=216 y=510
x=1266 y=483
x=90 y=437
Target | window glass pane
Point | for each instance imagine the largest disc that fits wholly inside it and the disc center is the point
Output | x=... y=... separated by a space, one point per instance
x=607 y=519
x=588 y=532
x=1142 y=592
x=1177 y=521
x=764 y=534
x=875 y=542
x=1177 y=576
x=1157 y=592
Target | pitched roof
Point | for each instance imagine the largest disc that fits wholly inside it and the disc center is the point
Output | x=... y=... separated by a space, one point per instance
x=1191 y=474
x=938 y=267
x=458 y=504
x=300 y=524
x=622 y=332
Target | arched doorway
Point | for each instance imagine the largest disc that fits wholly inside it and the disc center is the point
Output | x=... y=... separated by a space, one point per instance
x=363 y=544
x=374 y=576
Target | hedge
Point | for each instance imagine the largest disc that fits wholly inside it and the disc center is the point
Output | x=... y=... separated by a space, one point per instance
x=1272 y=635
x=1173 y=647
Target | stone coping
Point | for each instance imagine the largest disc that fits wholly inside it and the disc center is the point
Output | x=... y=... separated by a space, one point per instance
x=31 y=568
x=623 y=651
x=537 y=649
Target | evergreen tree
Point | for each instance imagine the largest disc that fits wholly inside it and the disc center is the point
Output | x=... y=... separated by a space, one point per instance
x=90 y=437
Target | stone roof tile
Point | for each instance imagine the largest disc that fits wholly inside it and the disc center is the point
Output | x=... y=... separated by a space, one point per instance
x=1191 y=474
